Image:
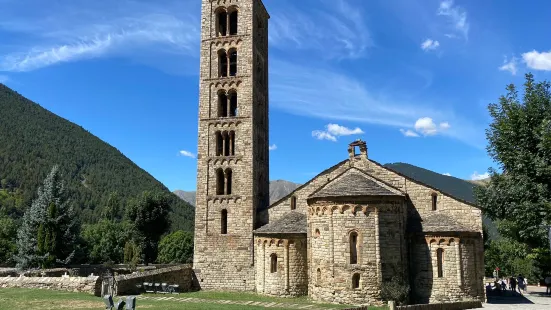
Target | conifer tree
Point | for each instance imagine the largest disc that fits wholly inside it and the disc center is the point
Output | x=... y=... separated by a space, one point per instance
x=49 y=228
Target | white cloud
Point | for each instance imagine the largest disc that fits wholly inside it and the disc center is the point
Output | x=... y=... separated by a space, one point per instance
x=338 y=130
x=295 y=89
x=272 y=147
x=509 y=65
x=476 y=176
x=538 y=61
x=322 y=135
x=447 y=173
x=332 y=131
x=427 y=127
x=187 y=154
x=456 y=15
x=68 y=31
x=430 y=44
x=4 y=78
x=335 y=29
x=409 y=133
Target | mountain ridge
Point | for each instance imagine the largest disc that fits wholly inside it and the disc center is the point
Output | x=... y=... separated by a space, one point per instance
x=33 y=140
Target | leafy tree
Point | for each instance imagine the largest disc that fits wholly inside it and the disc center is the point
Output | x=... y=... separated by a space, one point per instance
x=131 y=254
x=48 y=233
x=519 y=141
x=112 y=208
x=149 y=214
x=105 y=241
x=176 y=247
x=7 y=236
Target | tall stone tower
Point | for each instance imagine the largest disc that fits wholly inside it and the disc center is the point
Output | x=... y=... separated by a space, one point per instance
x=232 y=160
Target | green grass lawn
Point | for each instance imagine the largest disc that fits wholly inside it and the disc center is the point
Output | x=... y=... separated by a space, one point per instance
x=30 y=299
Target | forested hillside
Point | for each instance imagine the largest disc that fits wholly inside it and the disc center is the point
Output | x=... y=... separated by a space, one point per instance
x=33 y=139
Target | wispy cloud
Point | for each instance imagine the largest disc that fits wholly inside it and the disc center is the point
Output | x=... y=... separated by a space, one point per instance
x=186 y=154
x=272 y=147
x=429 y=44
x=456 y=15
x=69 y=31
x=538 y=60
x=509 y=65
x=336 y=29
x=333 y=131
x=409 y=133
x=297 y=89
x=476 y=176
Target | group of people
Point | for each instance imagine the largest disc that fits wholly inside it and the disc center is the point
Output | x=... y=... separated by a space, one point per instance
x=511 y=283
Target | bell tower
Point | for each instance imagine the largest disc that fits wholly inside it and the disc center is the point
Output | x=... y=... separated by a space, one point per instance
x=232 y=155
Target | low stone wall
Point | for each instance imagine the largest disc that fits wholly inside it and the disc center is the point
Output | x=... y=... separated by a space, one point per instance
x=181 y=275
x=460 y=305
x=91 y=285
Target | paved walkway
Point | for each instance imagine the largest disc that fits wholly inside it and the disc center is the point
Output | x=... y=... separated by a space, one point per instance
x=265 y=304
x=535 y=299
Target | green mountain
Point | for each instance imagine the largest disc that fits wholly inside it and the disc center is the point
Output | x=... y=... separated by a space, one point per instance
x=33 y=139
x=452 y=186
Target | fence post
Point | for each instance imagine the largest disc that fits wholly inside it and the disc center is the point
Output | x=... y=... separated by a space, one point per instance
x=391 y=305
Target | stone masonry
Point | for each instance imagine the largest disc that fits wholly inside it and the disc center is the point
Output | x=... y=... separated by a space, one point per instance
x=232 y=160
x=338 y=238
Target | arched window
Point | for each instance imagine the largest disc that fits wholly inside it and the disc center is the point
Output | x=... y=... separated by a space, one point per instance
x=273 y=263
x=223 y=63
x=226 y=137
x=233 y=62
x=353 y=247
x=317 y=233
x=434 y=197
x=293 y=203
x=356 y=280
x=232 y=95
x=221 y=22
x=229 y=181
x=232 y=143
x=224 y=222
x=233 y=22
x=222 y=104
x=219 y=143
x=440 y=262
x=318 y=276
x=219 y=182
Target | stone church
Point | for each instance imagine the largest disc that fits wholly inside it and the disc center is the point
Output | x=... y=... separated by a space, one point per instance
x=340 y=237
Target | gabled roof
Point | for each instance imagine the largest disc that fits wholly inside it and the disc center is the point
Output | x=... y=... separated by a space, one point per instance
x=330 y=169
x=436 y=222
x=291 y=223
x=355 y=183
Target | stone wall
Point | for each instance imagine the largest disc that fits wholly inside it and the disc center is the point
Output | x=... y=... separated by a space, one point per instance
x=291 y=276
x=380 y=234
x=91 y=285
x=461 y=305
x=420 y=195
x=461 y=264
x=181 y=275
x=226 y=261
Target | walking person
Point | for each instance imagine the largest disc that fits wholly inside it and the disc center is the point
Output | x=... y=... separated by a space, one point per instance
x=513 y=283
x=521 y=283
x=548 y=284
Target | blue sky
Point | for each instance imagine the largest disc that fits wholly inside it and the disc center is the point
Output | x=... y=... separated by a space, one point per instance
x=411 y=77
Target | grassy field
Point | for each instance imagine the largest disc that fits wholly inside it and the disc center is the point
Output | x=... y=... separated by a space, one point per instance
x=53 y=300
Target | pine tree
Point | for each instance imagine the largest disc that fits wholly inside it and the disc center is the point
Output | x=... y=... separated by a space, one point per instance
x=49 y=228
